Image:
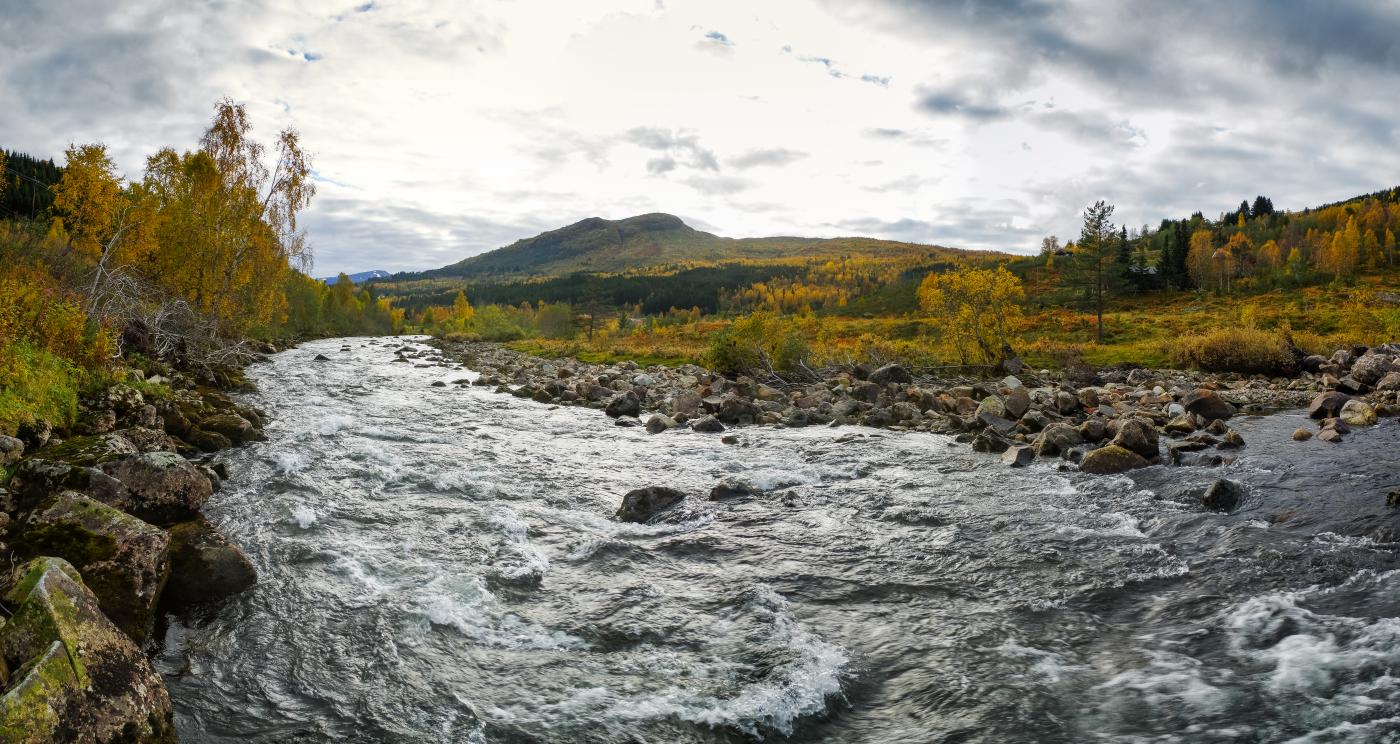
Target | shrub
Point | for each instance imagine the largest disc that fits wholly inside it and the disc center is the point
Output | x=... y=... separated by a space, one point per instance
x=1242 y=350
x=760 y=342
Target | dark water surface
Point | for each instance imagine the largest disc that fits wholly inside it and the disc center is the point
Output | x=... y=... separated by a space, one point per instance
x=440 y=565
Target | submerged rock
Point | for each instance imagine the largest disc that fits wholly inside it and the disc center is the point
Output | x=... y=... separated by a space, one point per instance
x=78 y=678
x=644 y=503
x=732 y=489
x=1223 y=495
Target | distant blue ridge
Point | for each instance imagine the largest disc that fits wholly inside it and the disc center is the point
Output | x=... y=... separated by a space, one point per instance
x=360 y=277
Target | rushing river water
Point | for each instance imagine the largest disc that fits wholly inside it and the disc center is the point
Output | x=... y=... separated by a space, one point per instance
x=441 y=565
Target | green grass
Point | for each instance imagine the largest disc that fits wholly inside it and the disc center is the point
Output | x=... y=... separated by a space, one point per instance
x=37 y=385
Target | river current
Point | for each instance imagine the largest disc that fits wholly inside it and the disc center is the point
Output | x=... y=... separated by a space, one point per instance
x=440 y=564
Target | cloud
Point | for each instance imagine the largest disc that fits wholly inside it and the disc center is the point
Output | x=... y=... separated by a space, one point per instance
x=777 y=156
x=953 y=103
x=682 y=148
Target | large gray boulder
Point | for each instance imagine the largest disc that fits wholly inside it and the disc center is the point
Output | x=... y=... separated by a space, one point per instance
x=35 y=479
x=77 y=676
x=1371 y=367
x=123 y=560
x=205 y=566
x=626 y=404
x=644 y=503
x=163 y=488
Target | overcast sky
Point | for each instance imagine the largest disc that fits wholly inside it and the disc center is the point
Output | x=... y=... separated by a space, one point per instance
x=442 y=129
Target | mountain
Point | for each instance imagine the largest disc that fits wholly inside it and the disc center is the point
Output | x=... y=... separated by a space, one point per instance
x=360 y=277
x=601 y=246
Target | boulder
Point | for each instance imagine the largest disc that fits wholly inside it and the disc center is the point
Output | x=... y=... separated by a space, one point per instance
x=1389 y=383
x=1371 y=367
x=1329 y=435
x=35 y=433
x=1223 y=495
x=1016 y=402
x=35 y=479
x=686 y=402
x=1112 y=459
x=1357 y=412
x=736 y=410
x=890 y=373
x=1057 y=440
x=1207 y=404
x=207 y=441
x=708 y=425
x=88 y=451
x=11 y=450
x=78 y=677
x=644 y=503
x=148 y=440
x=205 y=567
x=991 y=405
x=866 y=392
x=1327 y=405
x=235 y=428
x=1019 y=456
x=1137 y=435
x=660 y=422
x=626 y=404
x=123 y=560
x=732 y=489
x=163 y=488
x=1301 y=434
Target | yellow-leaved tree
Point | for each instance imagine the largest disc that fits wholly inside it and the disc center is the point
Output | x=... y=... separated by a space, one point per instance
x=106 y=223
x=230 y=233
x=975 y=311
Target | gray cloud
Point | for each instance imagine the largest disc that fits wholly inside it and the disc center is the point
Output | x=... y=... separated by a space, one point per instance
x=681 y=148
x=954 y=103
x=777 y=156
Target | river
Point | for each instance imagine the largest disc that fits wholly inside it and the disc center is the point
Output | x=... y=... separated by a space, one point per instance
x=440 y=564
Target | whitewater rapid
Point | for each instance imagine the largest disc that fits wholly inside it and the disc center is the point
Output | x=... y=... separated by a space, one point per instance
x=440 y=564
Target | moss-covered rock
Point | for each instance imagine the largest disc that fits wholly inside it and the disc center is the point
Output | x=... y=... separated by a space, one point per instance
x=207 y=441
x=205 y=566
x=1112 y=459
x=124 y=561
x=78 y=678
x=163 y=488
x=35 y=480
x=236 y=428
x=88 y=451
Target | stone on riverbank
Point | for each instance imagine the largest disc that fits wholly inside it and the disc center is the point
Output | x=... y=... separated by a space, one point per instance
x=206 y=567
x=1112 y=459
x=123 y=560
x=1357 y=412
x=78 y=677
x=163 y=488
x=1208 y=405
x=708 y=425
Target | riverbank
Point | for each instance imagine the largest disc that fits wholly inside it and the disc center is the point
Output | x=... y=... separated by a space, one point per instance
x=104 y=524
x=1106 y=421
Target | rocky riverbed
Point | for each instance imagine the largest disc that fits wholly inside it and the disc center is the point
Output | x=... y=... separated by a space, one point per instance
x=105 y=533
x=1114 y=421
